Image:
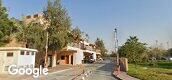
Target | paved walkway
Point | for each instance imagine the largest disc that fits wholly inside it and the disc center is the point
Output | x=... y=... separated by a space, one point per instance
x=65 y=75
x=61 y=72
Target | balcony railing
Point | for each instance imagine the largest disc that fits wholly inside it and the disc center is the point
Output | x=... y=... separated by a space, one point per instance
x=74 y=45
x=82 y=46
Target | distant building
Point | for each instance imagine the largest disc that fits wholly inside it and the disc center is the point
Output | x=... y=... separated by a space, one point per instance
x=37 y=18
x=22 y=57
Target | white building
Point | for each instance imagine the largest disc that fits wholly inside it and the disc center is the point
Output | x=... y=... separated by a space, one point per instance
x=22 y=57
x=77 y=56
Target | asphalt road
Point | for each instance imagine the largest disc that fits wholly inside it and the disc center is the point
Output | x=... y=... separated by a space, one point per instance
x=96 y=71
x=100 y=71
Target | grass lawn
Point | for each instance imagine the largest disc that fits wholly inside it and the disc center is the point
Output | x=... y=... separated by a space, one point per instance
x=162 y=71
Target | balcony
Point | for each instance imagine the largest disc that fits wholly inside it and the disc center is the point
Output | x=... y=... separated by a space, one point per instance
x=76 y=45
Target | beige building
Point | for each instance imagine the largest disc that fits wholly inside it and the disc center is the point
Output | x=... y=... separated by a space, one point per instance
x=37 y=18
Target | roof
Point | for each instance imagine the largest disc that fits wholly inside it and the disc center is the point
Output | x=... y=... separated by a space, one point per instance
x=17 y=48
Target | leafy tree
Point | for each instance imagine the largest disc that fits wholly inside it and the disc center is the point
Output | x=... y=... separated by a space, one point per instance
x=133 y=50
x=113 y=54
x=33 y=35
x=59 y=25
x=6 y=26
x=100 y=45
x=156 y=53
x=76 y=34
x=169 y=52
x=56 y=22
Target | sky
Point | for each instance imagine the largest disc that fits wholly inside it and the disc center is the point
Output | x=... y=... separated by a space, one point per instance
x=149 y=20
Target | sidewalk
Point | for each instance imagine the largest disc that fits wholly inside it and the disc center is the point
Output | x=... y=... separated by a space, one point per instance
x=54 y=70
x=123 y=76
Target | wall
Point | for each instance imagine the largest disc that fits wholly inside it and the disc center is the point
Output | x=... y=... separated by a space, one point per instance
x=94 y=56
x=78 y=57
x=26 y=59
x=7 y=61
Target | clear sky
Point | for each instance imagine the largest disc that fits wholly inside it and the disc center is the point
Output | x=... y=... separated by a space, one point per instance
x=150 y=20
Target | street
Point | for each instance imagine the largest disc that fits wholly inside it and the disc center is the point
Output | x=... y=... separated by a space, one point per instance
x=101 y=71
x=97 y=71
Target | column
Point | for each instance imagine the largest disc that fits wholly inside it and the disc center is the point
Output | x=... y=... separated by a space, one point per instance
x=54 y=60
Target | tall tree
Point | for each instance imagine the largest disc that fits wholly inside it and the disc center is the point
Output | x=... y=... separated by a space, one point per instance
x=76 y=34
x=33 y=35
x=133 y=49
x=6 y=26
x=100 y=45
x=59 y=25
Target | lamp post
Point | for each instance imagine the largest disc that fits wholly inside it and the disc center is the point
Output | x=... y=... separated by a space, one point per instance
x=116 y=45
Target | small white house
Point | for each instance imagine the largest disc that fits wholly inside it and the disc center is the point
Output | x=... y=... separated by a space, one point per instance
x=22 y=57
x=77 y=56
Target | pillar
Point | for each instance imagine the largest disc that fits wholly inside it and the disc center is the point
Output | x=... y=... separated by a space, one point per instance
x=54 y=60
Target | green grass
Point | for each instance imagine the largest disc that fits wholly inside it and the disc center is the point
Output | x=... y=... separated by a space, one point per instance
x=162 y=71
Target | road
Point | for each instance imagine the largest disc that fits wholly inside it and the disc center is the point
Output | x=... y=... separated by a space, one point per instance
x=100 y=71
x=96 y=71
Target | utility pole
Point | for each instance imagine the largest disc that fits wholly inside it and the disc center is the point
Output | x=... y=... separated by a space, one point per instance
x=116 y=46
x=46 y=49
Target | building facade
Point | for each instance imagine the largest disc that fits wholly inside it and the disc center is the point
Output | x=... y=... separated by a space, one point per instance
x=21 y=57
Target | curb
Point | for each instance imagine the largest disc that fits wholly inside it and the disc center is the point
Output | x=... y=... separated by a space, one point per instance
x=116 y=76
x=124 y=78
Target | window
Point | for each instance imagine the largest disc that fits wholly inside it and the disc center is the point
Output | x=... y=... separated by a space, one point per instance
x=35 y=16
x=32 y=53
x=27 y=53
x=28 y=17
x=22 y=53
x=9 y=54
x=62 y=57
x=6 y=68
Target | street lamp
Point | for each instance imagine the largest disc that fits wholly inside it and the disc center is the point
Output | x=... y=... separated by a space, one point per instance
x=116 y=45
